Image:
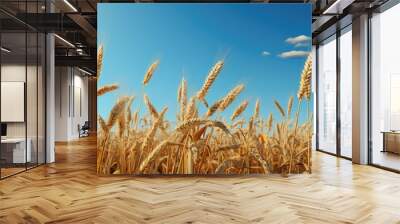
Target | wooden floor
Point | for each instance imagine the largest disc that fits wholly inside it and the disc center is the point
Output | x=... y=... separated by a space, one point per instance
x=69 y=191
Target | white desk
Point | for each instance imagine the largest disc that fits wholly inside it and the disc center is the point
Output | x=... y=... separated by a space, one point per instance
x=18 y=149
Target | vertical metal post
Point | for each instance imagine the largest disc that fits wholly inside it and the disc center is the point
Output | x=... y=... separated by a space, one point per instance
x=338 y=76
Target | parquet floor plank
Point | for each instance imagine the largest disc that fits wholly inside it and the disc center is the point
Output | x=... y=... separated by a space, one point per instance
x=70 y=191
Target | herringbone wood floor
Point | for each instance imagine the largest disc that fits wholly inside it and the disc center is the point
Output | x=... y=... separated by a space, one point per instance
x=69 y=191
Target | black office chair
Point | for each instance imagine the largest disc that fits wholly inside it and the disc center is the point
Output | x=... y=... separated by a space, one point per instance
x=84 y=130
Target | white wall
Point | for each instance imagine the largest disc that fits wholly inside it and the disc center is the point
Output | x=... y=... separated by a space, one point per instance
x=71 y=102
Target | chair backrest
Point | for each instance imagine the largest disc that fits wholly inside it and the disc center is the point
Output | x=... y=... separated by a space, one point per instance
x=86 y=124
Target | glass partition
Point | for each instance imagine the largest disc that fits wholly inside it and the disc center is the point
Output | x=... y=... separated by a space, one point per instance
x=14 y=153
x=346 y=92
x=385 y=89
x=22 y=77
x=327 y=95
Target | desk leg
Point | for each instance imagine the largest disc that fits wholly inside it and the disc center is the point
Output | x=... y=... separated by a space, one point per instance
x=384 y=142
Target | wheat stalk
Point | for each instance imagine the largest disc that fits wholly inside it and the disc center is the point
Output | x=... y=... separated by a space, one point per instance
x=102 y=123
x=231 y=97
x=116 y=110
x=150 y=72
x=290 y=105
x=280 y=108
x=150 y=106
x=239 y=110
x=99 y=60
x=107 y=88
x=270 y=120
x=191 y=109
x=257 y=108
x=151 y=133
x=183 y=99
x=305 y=80
x=212 y=75
x=211 y=110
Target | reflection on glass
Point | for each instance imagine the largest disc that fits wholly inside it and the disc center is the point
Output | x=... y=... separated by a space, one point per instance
x=14 y=150
x=41 y=99
x=346 y=93
x=327 y=96
x=31 y=99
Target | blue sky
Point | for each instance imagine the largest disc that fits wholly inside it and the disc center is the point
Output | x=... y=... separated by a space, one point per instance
x=188 y=39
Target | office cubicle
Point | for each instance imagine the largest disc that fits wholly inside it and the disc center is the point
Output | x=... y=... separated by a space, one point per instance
x=22 y=95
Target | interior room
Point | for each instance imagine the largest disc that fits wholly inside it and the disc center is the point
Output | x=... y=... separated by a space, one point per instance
x=385 y=89
x=22 y=102
x=209 y=112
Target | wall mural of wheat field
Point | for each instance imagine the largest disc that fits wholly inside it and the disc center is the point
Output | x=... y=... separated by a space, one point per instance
x=204 y=89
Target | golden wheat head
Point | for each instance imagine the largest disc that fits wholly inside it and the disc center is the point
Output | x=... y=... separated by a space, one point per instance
x=305 y=80
x=231 y=97
x=212 y=75
x=150 y=72
x=107 y=88
x=150 y=106
x=116 y=110
x=239 y=110
x=99 y=60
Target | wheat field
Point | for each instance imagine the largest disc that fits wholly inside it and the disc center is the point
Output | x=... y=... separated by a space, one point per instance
x=204 y=144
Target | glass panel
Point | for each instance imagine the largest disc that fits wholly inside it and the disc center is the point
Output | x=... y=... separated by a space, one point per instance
x=13 y=86
x=31 y=98
x=41 y=99
x=385 y=89
x=346 y=92
x=327 y=95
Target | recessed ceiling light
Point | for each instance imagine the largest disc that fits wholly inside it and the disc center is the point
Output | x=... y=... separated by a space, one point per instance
x=64 y=40
x=84 y=71
x=5 y=50
x=70 y=5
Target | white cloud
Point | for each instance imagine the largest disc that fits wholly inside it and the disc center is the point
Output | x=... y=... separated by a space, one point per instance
x=302 y=45
x=265 y=53
x=298 y=39
x=294 y=54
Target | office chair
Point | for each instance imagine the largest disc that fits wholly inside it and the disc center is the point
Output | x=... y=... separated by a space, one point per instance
x=84 y=130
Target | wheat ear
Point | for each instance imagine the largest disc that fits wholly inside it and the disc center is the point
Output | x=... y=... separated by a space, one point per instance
x=305 y=80
x=107 y=88
x=280 y=108
x=116 y=110
x=150 y=72
x=239 y=110
x=270 y=120
x=99 y=60
x=150 y=106
x=257 y=109
x=151 y=133
x=290 y=106
x=211 y=110
x=231 y=97
x=212 y=75
x=191 y=109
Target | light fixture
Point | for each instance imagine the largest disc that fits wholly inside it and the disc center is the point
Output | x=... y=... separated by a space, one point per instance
x=84 y=71
x=64 y=40
x=70 y=5
x=337 y=7
x=5 y=50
